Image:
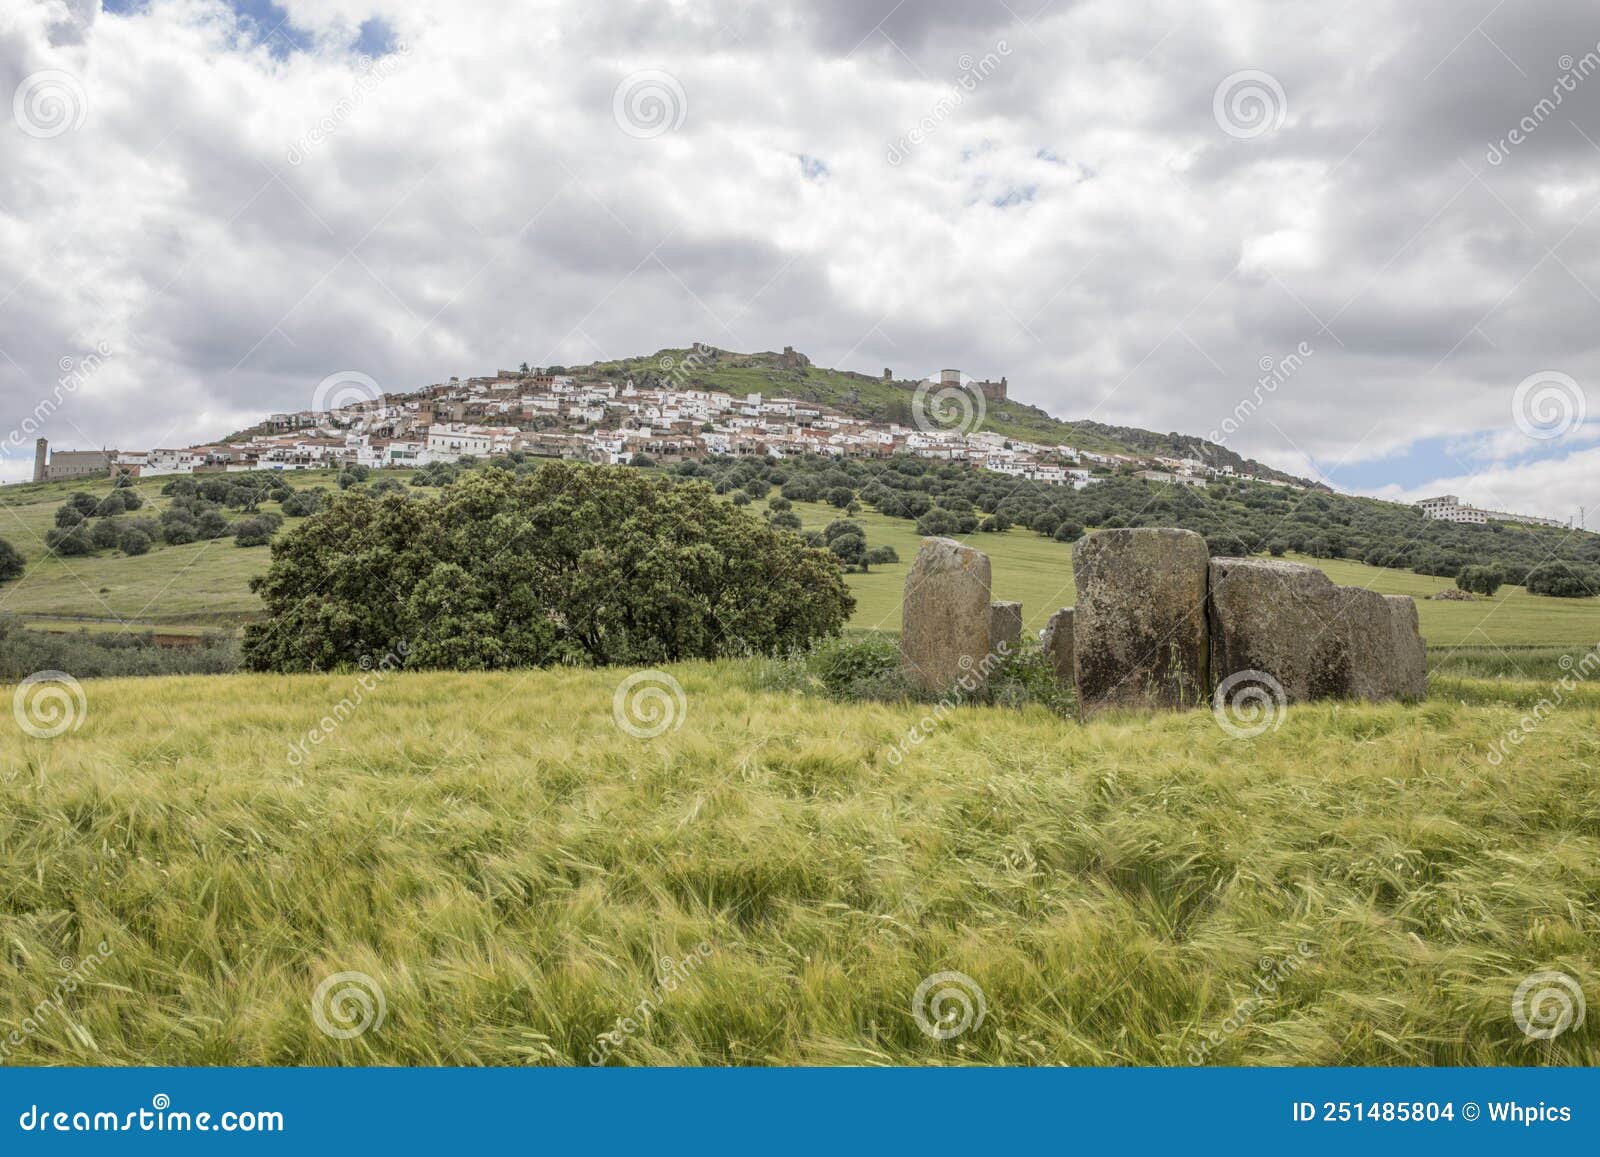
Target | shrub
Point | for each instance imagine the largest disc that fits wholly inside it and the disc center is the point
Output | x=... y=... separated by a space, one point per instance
x=83 y=503
x=859 y=667
x=944 y=523
x=1069 y=531
x=304 y=503
x=90 y=653
x=12 y=563
x=68 y=541
x=134 y=541
x=106 y=533
x=111 y=505
x=849 y=549
x=68 y=516
x=841 y=496
x=882 y=555
x=842 y=526
x=252 y=532
x=740 y=498
x=1563 y=580
x=570 y=563
x=211 y=524
x=1480 y=580
x=785 y=520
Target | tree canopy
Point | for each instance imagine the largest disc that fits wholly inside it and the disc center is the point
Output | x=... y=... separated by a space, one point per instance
x=572 y=563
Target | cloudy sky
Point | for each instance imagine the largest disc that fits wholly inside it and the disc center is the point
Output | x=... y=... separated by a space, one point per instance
x=1138 y=211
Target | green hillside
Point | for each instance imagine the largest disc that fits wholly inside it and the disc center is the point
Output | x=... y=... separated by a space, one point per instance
x=194 y=584
x=206 y=584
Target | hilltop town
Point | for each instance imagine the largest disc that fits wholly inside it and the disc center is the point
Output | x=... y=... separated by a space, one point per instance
x=664 y=416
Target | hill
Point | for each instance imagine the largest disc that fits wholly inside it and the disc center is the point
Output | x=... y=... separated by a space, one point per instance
x=881 y=400
x=511 y=871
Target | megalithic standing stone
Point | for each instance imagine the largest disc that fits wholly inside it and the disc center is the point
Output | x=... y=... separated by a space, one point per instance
x=1139 y=627
x=1056 y=643
x=1408 y=677
x=944 y=632
x=1316 y=640
x=1005 y=628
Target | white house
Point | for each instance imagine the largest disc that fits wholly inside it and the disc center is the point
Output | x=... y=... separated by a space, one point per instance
x=447 y=443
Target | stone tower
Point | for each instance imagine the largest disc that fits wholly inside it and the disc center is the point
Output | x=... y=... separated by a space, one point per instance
x=41 y=459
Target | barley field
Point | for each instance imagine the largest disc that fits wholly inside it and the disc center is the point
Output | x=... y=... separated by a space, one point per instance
x=497 y=869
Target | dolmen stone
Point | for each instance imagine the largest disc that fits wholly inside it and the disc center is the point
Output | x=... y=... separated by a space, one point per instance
x=1139 y=627
x=1005 y=628
x=1408 y=650
x=1315 y=639
x=945 y=623
x=1056 y=643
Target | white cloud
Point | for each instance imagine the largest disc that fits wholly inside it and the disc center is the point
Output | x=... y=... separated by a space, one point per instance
x=1078 y=221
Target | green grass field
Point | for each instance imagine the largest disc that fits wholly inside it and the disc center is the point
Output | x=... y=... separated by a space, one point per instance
x=510 y=869
x=207 y=583
x=197 y=584
x=1037 y=571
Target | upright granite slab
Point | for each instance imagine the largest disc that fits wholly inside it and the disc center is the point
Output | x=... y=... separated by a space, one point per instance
x=1139 y=627
x=1056 y=643
x=1005 y=628
x=1408 y=676
x=945 y=617
x=1317 y=640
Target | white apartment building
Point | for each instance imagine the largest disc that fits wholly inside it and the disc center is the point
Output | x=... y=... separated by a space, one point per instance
x=1448 y=508
x=447 y=443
